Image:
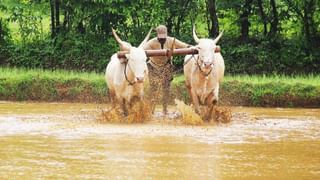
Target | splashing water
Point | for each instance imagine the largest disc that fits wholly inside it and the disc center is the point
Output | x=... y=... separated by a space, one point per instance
x=140 y=112
x=112 y=115
x=222 y=114
x=190 y=117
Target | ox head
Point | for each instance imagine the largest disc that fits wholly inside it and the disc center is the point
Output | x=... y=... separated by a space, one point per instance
x=136 y=58
x=206 y=49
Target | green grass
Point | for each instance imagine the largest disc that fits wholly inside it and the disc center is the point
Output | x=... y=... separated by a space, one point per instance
x=46 y=85
x=63 y=75
x=61 y=85
x=263 y=79
x=261 y=90
x=311 y=79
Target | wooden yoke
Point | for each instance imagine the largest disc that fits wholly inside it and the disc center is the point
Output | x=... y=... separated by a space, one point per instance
x=167 y=52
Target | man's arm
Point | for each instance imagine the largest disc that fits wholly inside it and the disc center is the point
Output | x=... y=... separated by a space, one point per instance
x=179 y=44
x=149 y=44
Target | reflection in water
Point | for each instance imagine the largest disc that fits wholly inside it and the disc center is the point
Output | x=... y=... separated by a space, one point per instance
x=63 y=141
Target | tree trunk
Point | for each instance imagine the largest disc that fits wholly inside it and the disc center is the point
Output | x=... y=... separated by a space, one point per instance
x=309 y=13
x=1 y=29
x=307 y=23
x=275 y=20
x=65 y=20
x=263 y=17
x=80 y=28
x=57 y=10
x=53 y=27
x=212 y=11
x=181 y=17
x=170 y=24
x=244 y=21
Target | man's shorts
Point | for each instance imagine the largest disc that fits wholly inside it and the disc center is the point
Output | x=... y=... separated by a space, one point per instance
x=164 y=72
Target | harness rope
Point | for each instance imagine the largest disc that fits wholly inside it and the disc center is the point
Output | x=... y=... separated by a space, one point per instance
x=125 y=74
x=197 y=62
x=203 y=73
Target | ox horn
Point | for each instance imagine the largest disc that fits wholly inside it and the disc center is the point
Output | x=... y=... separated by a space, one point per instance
x=145 y=39
x=218 y=38
x=124 y=46
x=195 y=37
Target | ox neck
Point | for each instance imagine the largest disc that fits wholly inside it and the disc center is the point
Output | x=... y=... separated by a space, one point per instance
x=129 y=74
x=201 y=71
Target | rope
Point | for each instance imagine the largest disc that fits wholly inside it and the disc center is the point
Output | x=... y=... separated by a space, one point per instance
x=125 y=75
x=186 y=62
x=203 y=73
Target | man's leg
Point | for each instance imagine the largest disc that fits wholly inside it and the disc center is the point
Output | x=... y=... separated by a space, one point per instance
x=153 y=91
x=168 y=77
x=166 y=96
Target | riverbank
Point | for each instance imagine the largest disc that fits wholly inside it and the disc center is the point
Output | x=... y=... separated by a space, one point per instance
x=69 y=86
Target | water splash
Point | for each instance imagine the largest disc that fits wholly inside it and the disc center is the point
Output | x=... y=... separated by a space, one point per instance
x=139 y=113
x=190 y=117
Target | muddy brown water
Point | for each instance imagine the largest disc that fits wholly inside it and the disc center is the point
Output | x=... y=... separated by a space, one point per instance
x=64 y=141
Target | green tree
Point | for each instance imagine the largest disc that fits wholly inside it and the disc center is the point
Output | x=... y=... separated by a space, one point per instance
x=305 y=10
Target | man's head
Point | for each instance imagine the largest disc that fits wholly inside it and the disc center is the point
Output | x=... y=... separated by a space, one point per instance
x=161 y=34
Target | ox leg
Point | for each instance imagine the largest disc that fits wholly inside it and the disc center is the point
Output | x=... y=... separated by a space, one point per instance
x=211 y=102
x=134 y=100
x=195 y=100
x=189 y=91
x=124 y=107
x=112 y=96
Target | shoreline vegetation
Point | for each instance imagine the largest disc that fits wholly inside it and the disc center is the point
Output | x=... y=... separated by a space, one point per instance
x=20 y=84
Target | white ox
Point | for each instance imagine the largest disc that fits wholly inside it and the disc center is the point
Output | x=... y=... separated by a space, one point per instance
x=203 y=73
x=126 y=78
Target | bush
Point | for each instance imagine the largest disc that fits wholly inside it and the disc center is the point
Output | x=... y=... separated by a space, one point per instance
x=70 y=52
x=265 y=56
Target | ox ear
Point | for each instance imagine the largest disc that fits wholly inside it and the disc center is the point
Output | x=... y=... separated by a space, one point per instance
x=124 y=46
x=195 y=37
x=127 y=56
x=145 y=39
x=218 y=37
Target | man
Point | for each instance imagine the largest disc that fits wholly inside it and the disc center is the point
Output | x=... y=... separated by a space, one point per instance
x=160 y=67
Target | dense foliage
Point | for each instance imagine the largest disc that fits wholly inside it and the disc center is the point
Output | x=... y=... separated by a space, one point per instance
x=260 y=36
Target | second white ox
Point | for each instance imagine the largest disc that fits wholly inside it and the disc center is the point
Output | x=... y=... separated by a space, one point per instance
x=203 y=73
x=126 y=78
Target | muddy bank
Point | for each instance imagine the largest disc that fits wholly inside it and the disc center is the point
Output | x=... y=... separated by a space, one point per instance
x=47 y=86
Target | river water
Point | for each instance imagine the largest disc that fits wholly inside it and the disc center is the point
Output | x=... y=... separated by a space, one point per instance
x=65 y=141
